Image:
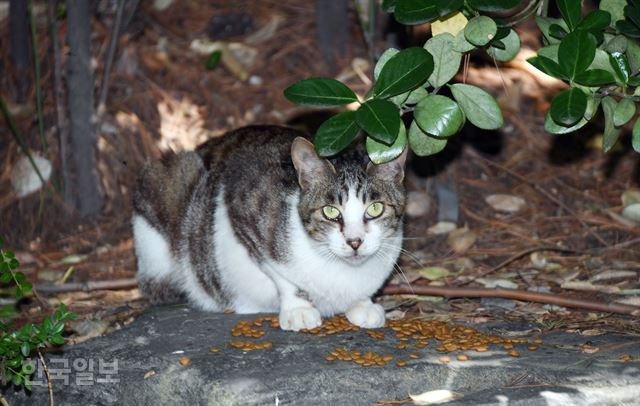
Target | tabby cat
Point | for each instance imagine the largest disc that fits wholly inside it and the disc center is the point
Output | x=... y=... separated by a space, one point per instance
x=255 y=221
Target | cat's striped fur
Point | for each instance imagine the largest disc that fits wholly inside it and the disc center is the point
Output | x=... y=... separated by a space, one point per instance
x=239 y=224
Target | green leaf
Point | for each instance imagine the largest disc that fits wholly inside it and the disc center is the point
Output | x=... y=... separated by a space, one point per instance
x=380 y=119
x=460 y=44
x=635 y=136
x=493 y=5
x=570 y=11
x=320 y=92
x=633 y=56
x=545 y=23
x=594 y=77
x=405 y=71
x=611 y=133
x=439 y=116
x=410 y=12
x=422 y=143
x=480 y=108
x=336 y=133
x=618 y=44
x=416 y=95
x=57 y=339
x=25 y=349
x=213 y=60
x=446 y=60
x=384 y=58
x=624 y=111
x=615 y=8
x=568 y=107
x=576 y=52
x=511 y=48
x=597 y=20
x=557 y=31
x=380 y=153
x=620 y=65
x=6 y=275
x=480 y=30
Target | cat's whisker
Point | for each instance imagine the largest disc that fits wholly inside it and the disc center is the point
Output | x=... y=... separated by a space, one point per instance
x=408 y=253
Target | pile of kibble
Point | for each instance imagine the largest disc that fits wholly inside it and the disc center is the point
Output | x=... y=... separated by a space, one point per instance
x=412 y=334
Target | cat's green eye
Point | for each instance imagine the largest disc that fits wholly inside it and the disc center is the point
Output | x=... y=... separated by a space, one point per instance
x=331 y=212
x=375 y=210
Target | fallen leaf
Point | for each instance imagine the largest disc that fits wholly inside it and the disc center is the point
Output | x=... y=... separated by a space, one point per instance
x=505 y=203
x=442 y=227
x=434 y=273
x=611 y=274
x=434 y=397
x=497 y=283
x=461 y=239
x=630 y=197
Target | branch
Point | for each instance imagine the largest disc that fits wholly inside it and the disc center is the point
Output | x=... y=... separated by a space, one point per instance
x=127 y=283
x=525 y=296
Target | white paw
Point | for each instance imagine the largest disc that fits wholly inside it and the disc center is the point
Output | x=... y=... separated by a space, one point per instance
x=366 y=315
x=297 y=318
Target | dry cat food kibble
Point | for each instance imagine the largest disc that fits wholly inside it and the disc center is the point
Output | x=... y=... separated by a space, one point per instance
x=411 y=333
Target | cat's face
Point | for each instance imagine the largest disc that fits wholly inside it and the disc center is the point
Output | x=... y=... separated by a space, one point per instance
x=352 y=211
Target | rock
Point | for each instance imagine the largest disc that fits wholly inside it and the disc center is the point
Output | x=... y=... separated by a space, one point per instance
x=140 y=365
x=24 y=179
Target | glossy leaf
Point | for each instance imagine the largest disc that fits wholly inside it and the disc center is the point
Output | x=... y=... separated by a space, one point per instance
x=380 y=153
x=480 y=30
x=404 y=71
x=621 y=67
x=611 y=133
x=576 y=52
x=384 y=58
x=568 y=107
x=545 y=23
x=570 y=11
x=410 y=12
x=635 y=136
x=597 y=20
x=480 y=108
x=594 y=77
x=423 y=144
x=511 y=49
x=380 y=119
x=493 y=5
x=336 y=133
x=320 y=92
x=446 y=61
x=624 y=111
x=439 y=116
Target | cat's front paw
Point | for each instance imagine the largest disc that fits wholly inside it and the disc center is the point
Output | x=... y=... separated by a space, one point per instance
x=297 y=318
x=366 y=315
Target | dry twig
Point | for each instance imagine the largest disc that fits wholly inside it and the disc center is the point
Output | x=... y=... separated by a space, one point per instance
x=513 y=294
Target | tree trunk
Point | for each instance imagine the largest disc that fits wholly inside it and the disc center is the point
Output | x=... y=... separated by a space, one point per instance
x=19 y=31
x=84 y=182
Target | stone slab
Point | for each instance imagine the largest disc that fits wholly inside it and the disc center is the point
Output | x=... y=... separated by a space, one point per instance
x=294 y=371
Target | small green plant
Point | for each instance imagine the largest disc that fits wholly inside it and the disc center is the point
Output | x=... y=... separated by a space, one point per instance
x=17 y=346
x=594 y=54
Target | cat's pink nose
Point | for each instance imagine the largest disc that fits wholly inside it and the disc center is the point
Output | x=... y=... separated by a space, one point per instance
x=355 y=243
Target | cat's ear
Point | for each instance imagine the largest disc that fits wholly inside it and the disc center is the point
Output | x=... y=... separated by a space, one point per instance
x=392 y=171
x=308 y=164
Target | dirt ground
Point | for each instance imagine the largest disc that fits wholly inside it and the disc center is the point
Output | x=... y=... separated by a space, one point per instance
x=566 y=237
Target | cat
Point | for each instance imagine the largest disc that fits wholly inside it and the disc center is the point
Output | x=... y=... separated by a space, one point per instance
x=255 y=221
